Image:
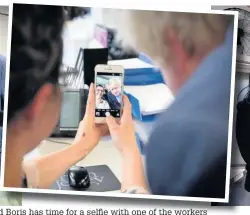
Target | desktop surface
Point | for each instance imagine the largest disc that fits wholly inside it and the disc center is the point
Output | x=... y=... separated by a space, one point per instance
x=105 y=153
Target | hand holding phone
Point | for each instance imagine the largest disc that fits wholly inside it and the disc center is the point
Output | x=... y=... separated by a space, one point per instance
x=88 y=129
x=108 y=91
x=123 y=133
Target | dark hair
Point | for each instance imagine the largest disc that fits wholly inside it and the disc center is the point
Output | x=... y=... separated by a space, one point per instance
x=36 y=51
x=99 y=85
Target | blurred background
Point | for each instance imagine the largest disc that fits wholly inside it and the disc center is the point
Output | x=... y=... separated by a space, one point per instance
x=6 y=198
x=4 y=11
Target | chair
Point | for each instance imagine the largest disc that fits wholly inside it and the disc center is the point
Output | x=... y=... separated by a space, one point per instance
x=80 y=60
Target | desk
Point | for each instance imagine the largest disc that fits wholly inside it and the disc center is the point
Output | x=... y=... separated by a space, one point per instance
x=105 y=153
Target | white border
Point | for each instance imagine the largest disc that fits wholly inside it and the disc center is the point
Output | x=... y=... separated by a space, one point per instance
x=231 y=110
x=6 y=95
x=230 y=127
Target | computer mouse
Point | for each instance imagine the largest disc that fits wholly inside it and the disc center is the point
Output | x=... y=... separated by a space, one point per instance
x=78 y=177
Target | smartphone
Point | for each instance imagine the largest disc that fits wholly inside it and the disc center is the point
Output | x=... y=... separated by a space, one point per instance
x=109 y=84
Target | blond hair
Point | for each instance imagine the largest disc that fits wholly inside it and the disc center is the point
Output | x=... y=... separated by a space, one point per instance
x=145 y=30
x=114 y=82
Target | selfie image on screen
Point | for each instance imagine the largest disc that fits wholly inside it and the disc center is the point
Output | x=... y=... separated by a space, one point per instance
x=108 y=94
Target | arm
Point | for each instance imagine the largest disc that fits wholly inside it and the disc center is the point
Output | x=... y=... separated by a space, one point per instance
x=132 y=171
x=123 y=135
x=44 y=171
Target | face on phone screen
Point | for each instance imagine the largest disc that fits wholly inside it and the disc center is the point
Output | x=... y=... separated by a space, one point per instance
x=108 y=94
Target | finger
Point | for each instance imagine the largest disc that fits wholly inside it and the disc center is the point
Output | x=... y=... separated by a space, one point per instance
x=127 y=107
x=112 y=124
x=90 y=107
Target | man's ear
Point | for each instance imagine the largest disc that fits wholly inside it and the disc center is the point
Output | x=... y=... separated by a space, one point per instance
x=39 y=102
x=177 y=51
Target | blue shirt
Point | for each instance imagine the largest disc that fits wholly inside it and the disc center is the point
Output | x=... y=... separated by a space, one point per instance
x=119 y=98
x=187 y=152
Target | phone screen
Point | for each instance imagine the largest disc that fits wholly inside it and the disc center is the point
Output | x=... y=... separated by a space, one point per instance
x=108 y=92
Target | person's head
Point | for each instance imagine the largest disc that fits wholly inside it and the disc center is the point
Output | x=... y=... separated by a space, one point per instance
x=99 y=91
x=36 y=53
x=115 y=86
x=175 y=41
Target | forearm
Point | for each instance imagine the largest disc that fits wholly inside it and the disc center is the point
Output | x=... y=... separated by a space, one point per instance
x=132 y=170
x=49 y=168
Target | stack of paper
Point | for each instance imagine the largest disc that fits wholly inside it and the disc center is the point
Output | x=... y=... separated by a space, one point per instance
x=133 y=63
x=153 y=99
x=144 y=129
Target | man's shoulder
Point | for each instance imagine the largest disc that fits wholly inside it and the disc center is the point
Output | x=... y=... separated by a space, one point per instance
x=186 y=129
x=183 y=123
x=179 y=145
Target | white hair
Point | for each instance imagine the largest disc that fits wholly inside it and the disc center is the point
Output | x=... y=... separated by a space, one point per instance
x=114 y=82
x=146 y=30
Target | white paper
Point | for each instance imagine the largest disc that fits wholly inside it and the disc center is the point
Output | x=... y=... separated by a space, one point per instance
x=144 y=129
x=131 y=63
x=153 y=99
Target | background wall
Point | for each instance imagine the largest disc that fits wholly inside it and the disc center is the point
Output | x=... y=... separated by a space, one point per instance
x=3 y=30
x=105 y=16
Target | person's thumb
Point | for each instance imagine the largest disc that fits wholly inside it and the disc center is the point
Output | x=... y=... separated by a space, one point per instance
x=112 y=124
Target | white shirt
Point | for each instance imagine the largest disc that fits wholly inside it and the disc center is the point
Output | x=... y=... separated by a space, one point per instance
x=103 y=105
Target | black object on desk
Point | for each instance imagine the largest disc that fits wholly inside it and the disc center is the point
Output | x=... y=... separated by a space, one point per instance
x=93 y=57
x=102 y=179
x=75 y=92
x=86 y=61
x=78 y=177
